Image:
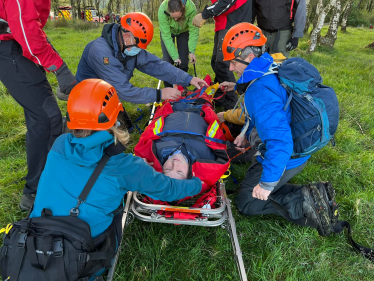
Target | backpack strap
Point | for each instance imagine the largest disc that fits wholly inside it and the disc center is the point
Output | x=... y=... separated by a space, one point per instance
x=113 y=149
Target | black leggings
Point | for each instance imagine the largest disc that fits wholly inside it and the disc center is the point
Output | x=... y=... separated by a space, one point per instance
x=182 y=44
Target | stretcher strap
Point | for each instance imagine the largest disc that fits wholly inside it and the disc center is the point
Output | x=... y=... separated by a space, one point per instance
x=177 y=132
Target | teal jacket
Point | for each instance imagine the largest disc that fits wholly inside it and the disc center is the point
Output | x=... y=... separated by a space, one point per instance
x=169 y=26
x=71 y=162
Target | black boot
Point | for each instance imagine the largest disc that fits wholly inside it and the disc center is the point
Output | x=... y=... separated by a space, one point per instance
x=27 y=201
x=328 y=194
x=316 y=210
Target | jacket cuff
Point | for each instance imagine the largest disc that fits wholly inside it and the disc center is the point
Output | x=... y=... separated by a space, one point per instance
x=158 y=95
x=204 y=13
x=225 y=115
x=268 y=185
x=188 y=80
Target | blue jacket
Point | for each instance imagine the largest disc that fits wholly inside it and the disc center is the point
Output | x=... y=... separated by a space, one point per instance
x=265 y=100
x=102 y=58
x=71 y=162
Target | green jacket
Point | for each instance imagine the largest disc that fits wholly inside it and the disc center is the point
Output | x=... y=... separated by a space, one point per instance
x=169 y=26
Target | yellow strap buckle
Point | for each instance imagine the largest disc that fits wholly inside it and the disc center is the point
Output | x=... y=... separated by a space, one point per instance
x=7 y=228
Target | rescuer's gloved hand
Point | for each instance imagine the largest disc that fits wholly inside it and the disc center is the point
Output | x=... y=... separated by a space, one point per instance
x=198 y=20
x=66 y=82
x=292 y=43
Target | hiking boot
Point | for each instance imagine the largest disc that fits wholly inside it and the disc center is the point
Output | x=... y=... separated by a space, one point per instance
x=315 y=209
x=27 y=201
x=328 y=194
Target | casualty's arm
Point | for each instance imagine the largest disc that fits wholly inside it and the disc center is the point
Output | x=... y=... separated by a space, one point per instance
x=236 y=117
x=154 y=66
x=143 y=178
x=166 y=35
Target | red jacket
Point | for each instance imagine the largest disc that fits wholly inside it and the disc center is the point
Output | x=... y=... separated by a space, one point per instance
x=26 y=19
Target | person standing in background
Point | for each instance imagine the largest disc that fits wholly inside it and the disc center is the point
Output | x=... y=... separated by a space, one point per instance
x=175 y=20
x=282 y=22
x=25 y=56
x=226 y=14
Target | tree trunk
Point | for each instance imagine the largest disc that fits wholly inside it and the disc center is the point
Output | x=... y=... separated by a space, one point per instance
x=310 y=15
x=329 y=39
x=319 y=8
x=316 y=32
x=110 y=8
x=73 y=9
x=346 y=14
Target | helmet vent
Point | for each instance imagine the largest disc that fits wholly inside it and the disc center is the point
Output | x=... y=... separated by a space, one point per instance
x=103 y=118
x=104 y=103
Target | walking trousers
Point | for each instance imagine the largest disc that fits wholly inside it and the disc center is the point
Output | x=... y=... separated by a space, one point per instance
x=182 y=45
x=28 y=85
x=222 y=71
x=285 y=200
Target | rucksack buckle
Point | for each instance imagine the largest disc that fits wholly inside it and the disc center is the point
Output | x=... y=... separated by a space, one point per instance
x=58 y=247
x=84 y=257
x=22 y=239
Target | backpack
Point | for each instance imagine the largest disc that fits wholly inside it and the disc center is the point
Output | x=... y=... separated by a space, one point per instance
x=314 y=107
x=61 y=248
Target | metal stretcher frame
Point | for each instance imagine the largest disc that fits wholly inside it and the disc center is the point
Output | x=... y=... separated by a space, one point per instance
x=220 y=216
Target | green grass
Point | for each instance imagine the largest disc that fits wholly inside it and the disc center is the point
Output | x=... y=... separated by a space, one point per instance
x=273 y=249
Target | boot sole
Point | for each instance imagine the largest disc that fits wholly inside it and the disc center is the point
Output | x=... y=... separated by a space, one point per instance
x=322 y=210
x=333 y=205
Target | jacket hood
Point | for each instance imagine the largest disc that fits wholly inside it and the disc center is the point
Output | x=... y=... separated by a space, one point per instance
x=87 y=151
x=256 y=69
x=110 y=34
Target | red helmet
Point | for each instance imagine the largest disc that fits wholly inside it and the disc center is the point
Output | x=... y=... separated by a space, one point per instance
x=93 y=104
x=240 y=36
x=141 y=26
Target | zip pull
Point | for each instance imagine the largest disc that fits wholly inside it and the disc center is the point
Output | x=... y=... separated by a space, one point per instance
x=15 y=65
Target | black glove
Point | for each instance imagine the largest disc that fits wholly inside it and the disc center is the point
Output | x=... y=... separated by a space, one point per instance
x=292 y=43
x=66 y=82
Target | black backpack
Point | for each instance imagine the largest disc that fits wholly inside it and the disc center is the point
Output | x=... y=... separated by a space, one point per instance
x=51 y=248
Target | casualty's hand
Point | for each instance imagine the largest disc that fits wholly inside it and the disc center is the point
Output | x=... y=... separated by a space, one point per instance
x=227 y=86
x=170 y=94
x=192 y=58
x=177 y=62
x=220 y=117
x=239 y=142
x=149 y=163
x=260 y=193
x=198 y=83
x=198 y=20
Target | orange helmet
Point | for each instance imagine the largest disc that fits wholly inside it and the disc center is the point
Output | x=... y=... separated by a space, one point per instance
x=93 y=104
x=141 y=26
x=240 y=36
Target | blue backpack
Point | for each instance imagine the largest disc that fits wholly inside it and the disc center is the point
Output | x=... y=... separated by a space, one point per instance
x=314 y=107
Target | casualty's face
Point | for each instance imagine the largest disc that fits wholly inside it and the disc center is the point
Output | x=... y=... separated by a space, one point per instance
x=237 y=67
x=176 y=167
x=176 y=15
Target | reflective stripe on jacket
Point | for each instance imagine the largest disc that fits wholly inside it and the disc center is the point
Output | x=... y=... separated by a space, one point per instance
x=26 y=20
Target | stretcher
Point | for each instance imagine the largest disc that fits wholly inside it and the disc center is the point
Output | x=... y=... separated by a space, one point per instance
x=186 y=213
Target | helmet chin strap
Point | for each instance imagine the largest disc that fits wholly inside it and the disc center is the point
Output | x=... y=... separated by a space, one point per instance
x=123 y=43
x=241 y=61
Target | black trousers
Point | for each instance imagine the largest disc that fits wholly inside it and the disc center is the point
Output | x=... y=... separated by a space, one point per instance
x=285 y=200
x=28 y=85
x=222 y=72
x=182 y=45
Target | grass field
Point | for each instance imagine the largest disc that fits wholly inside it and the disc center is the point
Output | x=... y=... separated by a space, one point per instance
x=273 y=249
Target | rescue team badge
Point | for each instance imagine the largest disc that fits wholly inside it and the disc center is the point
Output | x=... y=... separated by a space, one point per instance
x=106 y=61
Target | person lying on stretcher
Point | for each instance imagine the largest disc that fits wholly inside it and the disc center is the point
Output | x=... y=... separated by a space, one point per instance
x=183 y=141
